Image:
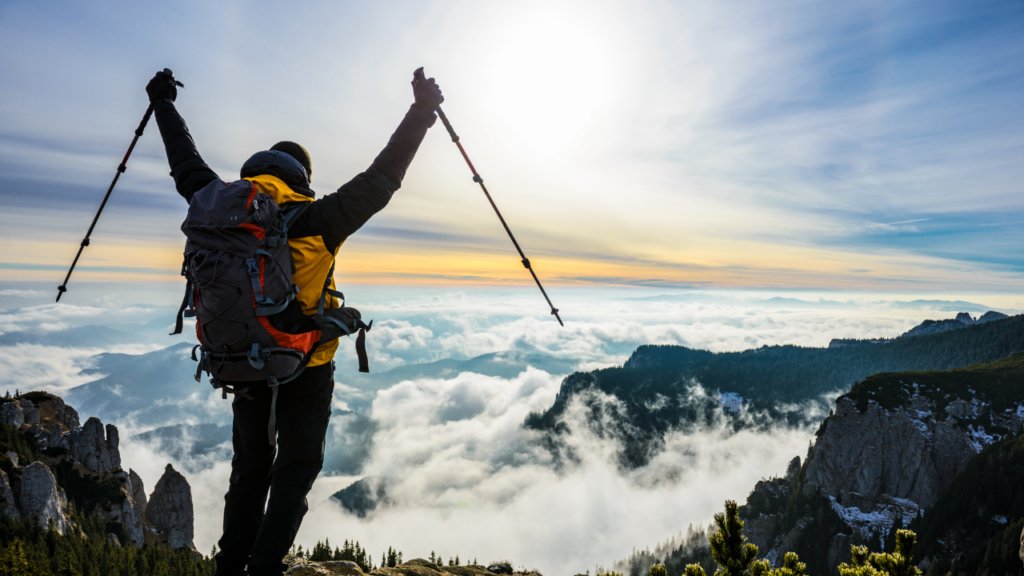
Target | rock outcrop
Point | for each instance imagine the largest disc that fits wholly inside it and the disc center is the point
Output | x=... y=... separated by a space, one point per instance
x=12 y=414
x=93 y=451
x=70 y=418
x=418 y=567
x=127 y=513
x=793 y=470
x=909 y=452
x=170 y=508
x=30 y=412
x=890 y=449
x=302 y=567
x=138 y=491
x=94 y=446
x=8 y=504
x=40 y=498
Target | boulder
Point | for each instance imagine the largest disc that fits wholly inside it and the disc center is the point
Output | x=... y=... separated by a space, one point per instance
x=14 y=458
x=113 y=541
x=12 y=414
x=170 y=508
x=343 y=567
x=40 y=498
x=8 y=505
x=307 y=569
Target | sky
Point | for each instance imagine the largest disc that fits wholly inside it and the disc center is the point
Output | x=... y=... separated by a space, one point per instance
x=871 y=147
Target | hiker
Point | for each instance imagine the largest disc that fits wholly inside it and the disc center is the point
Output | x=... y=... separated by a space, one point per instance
x=258 y=532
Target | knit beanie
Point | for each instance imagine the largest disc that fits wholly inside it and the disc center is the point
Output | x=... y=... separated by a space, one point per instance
x=299 y=153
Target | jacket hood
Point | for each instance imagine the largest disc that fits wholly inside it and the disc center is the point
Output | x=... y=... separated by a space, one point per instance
x=281 y=165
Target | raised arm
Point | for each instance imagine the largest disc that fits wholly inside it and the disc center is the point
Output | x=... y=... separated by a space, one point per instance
x=336 y=216
x=188 y=169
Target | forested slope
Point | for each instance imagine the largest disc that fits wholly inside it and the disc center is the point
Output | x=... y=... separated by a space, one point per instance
x=773 y=374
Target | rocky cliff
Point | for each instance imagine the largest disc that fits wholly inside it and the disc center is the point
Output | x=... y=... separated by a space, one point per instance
x=52 y=466
x=894 y=443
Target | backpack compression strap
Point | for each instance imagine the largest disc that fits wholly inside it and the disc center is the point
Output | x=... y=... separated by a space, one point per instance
x=364 y=362
x=187 y=309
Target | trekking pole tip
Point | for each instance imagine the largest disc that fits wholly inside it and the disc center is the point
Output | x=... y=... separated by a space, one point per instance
x=60 y=291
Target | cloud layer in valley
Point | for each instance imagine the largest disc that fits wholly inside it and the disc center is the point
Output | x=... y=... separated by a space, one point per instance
x=463 y=475
x=465 y=478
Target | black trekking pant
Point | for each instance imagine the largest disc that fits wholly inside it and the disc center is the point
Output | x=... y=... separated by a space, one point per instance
x=258 y=536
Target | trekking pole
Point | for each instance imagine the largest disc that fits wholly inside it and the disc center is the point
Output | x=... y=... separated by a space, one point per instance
x=480 y=181
x=120 y=170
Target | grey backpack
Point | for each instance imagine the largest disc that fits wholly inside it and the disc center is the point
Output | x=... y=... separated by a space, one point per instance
x=240 y=291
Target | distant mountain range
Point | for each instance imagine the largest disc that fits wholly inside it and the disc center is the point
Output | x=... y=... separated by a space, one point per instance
x=653 y=387
x=962 y=320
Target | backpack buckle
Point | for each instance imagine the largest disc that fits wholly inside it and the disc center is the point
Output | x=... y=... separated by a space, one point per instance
x=255 y=358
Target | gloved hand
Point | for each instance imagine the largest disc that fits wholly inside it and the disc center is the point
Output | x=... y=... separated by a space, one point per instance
x=426 y=91
x=163 y=85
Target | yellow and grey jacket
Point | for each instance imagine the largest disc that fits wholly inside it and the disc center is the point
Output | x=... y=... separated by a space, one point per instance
x=318 y=233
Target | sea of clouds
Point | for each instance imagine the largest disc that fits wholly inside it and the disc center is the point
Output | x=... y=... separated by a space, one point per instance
x=464 y=476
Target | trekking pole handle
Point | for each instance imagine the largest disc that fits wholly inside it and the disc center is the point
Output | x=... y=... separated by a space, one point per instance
x=447 y=125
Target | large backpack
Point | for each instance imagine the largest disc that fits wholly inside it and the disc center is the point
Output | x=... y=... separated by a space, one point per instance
x=239 y=270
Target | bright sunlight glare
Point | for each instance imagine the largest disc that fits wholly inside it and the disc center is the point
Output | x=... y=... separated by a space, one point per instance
x=553 y=59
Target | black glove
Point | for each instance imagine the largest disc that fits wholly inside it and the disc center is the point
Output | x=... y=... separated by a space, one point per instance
x=426 y=91
x=163 y=85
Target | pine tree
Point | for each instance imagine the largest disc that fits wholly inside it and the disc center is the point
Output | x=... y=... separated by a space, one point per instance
x=456 y=559
x=734 y=557
x=727 y=547
x=791 y=566
x=658 y=570
x=898 y=563
x=13 y=561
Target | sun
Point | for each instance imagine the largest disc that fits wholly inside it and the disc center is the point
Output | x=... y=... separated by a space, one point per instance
x=548 y=78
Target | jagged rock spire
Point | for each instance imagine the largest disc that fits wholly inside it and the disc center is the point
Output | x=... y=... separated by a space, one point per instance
x=170 y=508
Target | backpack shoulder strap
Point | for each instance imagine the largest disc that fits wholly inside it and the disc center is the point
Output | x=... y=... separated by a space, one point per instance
x=292 y=213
